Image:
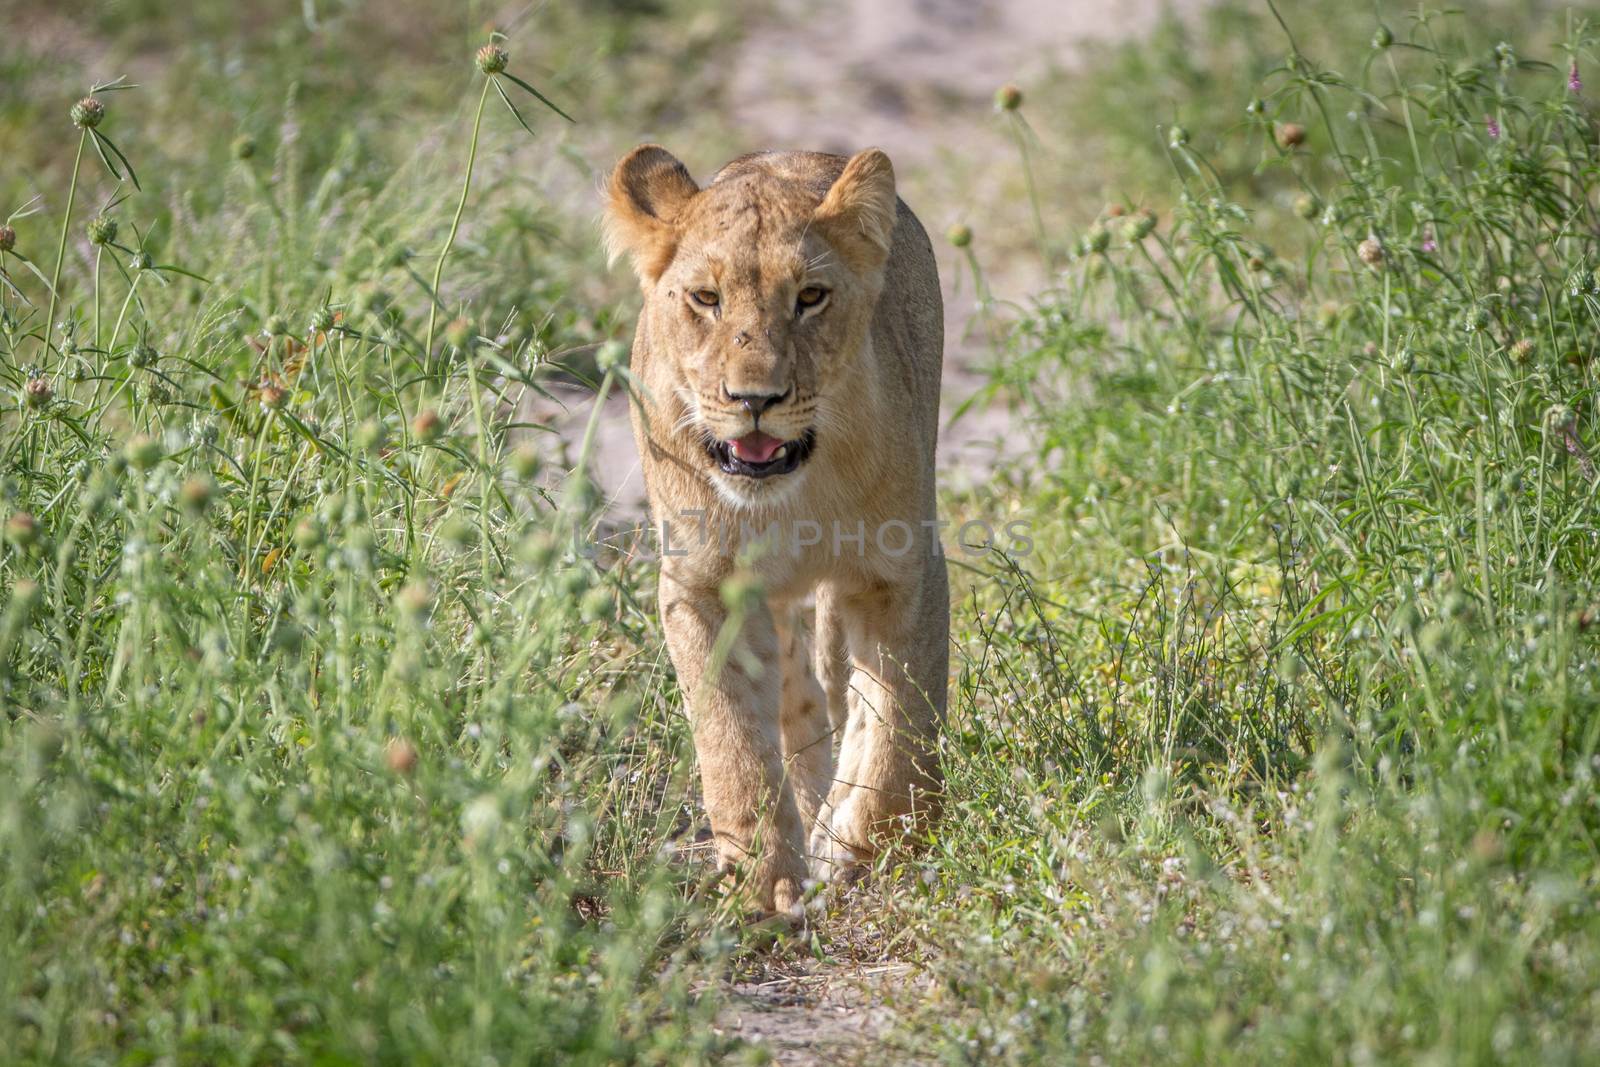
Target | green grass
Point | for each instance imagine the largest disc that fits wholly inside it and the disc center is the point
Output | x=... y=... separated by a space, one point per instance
x=320 y=746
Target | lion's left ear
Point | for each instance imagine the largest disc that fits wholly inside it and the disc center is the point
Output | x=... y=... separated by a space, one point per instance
x=647 y=191
x=858 y=214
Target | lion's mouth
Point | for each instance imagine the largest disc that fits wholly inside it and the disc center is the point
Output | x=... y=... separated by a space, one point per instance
x=760 y=455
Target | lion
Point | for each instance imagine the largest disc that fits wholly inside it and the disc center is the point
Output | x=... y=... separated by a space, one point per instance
x=785 y=371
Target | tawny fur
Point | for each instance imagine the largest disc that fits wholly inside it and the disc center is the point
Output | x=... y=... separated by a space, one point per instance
x=810 y=760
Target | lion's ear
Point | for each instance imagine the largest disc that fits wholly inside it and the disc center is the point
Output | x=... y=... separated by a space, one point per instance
x=647 y=191
x=858 y=214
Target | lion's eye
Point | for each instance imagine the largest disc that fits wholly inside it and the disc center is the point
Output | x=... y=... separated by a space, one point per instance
x=706 y=298
x=811 y=296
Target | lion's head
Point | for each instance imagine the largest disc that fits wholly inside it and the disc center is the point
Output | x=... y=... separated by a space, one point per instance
x=759 y=290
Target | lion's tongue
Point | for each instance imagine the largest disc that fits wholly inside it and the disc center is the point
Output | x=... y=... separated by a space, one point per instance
x=755 y=447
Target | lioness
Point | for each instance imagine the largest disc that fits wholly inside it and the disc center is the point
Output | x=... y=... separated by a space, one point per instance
x=787 y=360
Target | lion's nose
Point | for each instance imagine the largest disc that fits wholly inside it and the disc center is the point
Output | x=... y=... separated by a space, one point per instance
x=755 y=403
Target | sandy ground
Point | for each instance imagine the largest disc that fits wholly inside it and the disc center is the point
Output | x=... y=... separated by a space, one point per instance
x=916 y=78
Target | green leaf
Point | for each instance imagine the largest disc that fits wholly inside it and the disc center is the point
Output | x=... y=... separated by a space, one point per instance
x=514 y=112
x=545 y=100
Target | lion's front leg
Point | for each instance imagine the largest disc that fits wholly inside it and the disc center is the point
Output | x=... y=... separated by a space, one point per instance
x=733 y=709
x=888 y=779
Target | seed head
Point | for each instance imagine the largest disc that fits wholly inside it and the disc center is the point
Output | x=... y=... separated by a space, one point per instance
x=195 y=495
x=38 y=392
x=277 y=325
x=1138 y=226
x=1371 y=253
x=102 y=230
x=1096 y=239
x=307 y=534
x=959 y=235
x=401 y=756
x=370 y=435
x=427 y=425
x=1290 y=135
x=525 y=462
x=458 y=533
x=8 y=238
x=1008 y=98
x=243 y=147
x=24 y=594
x=88 y=113
x=21 y=530
x=415 y=601
x=143 y=452
x=612 y=354
x=492 y=59
x=142 y=356
x=322 y=319
x=1522 y=351
x=597 y=605
x=1382 y=38
x=458 y=333
x=273 y=397
x=1306 y=206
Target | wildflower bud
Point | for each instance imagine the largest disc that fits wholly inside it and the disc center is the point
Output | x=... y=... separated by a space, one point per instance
x=1522 y=351
x=1138 y=225
x=87 y=113
x=370 y=436
x=401 y=756
x=1177 y=137
x=102 y=230
x=141 y=260
x=458 y=533
x=1290 y=135
x=611 y=355
x=8 y=238
x=959 y=235
x=1574 y=79
x=196 y=493
x=1306 y=206
x=273 y=397
x=1008 y=98
x=1096 y=239
x=492 y=59
x=1382 y=38
x=1505 y=56
x=427 y=425
x=1256 y=107
x=24 y=594
x=307 y=534
x=741 y=592
x=540 y=548
x=38 y=392
x=525 y=462
x=1371 y=253
x=1560 y=417
x=276 y=326
x=414 y=602
x=322 y=319
x=142 y=356
x=597 y=605
x=143 y=452
x=21 y=529
x=458 y=333
x=243 y=147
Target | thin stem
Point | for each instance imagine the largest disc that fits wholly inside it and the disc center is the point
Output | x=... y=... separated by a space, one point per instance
x=455 y=225
x=61 y=248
